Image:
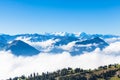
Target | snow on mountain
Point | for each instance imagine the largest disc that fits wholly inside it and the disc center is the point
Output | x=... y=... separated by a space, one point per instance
x=59 y=33
x=76 y=34
x=58 y=42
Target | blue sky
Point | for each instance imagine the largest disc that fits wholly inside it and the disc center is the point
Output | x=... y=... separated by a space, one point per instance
x=36 y=16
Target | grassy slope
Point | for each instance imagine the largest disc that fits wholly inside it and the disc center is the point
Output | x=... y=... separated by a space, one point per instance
x=88 y=73
x=115 y=78
x=97 y=72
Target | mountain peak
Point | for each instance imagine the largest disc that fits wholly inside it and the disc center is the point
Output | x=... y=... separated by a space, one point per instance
x=20 y=48
x=91 y=41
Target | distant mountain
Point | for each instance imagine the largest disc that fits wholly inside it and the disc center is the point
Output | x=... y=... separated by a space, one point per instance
x=3 y=42
x=88 y=46
x=30 y=44
x=65 y=40
x=20 y=48
x=83 y=46
x=96 y=40
x=60 y=35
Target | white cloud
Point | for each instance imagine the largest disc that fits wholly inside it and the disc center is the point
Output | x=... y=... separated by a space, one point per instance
x=112 y=40
x=68 y=47
x=11 y=65
x=45 y=46
x=114 y=48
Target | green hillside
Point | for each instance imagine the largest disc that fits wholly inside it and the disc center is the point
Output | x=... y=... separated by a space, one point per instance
x=110 y=72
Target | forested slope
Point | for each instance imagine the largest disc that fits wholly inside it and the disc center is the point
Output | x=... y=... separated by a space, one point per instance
x=110 y=72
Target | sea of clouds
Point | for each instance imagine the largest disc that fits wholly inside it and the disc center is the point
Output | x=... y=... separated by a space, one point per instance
x=11 y=65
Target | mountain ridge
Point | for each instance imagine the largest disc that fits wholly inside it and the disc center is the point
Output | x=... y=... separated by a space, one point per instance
x=93 y=40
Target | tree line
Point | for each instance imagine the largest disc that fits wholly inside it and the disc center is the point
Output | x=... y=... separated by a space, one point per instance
x=101 y=73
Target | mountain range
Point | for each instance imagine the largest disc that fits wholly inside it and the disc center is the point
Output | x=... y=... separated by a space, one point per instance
x=74 y=43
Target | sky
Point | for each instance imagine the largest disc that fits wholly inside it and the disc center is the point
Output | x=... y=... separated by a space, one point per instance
x=36 y=16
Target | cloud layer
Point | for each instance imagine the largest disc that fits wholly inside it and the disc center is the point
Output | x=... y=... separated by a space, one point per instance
x=11 y=66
